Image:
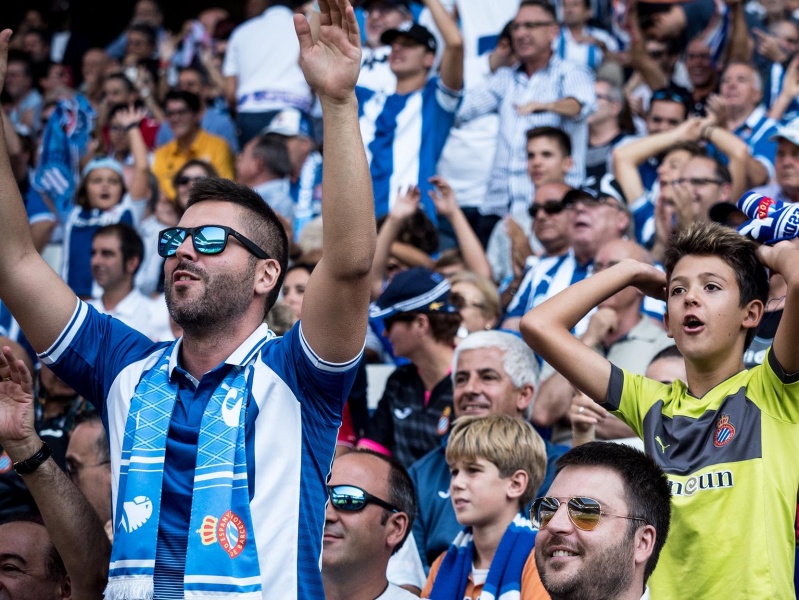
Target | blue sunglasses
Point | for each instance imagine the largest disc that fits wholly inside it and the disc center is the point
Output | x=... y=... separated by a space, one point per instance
x=207 y=239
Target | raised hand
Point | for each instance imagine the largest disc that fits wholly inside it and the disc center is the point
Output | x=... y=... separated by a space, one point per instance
x=331 y=64
x=443 y=196
x=129 y=116
x=406 y=203
x=17 y=433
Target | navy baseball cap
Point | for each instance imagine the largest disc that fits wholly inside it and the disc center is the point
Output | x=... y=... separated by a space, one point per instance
x=414 y=290
x=412 y=31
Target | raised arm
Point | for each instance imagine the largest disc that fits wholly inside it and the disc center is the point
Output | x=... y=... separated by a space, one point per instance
x=451 y=68
x=335 y=306
x=39 y=300
x=627 y=157
x=474 y=257
x=131 y=118
x=547 y=328
x=74 y=527
x=784 y=259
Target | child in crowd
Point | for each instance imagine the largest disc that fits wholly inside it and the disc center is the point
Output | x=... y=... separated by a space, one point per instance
x=497 y=462
x=102 y=199
x=727 y=440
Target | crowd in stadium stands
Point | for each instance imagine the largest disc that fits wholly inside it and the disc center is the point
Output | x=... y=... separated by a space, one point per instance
x=345 y=299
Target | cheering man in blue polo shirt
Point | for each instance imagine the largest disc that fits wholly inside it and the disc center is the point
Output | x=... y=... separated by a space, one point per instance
x=220 y=442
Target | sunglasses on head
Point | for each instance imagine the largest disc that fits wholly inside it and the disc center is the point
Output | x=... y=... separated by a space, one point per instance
x=352 y=499
x=550 y=207
x=584 y=513
x=207 y=239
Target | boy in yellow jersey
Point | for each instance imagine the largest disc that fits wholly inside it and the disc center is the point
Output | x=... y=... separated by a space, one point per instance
x=497 y=463
x=729 y=440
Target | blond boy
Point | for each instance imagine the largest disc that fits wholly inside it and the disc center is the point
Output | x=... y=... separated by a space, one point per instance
x=497 y=462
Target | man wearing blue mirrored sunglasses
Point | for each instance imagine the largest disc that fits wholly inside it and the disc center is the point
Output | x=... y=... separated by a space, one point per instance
x=221 y=442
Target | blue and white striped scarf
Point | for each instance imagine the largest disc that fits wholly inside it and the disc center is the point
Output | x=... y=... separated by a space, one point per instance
x=222 y=559
x=504 y=580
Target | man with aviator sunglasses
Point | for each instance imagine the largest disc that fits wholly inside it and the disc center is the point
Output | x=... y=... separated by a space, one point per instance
x=220 y=441
x=602 y=524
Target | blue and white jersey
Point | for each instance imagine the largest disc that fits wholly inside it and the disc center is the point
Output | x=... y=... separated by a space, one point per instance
x=772 y=91
x=78 y=233
x=404 y=135
x=294 y=404
x=553 y=275
x=642 y=212
x=306 y=192
x=586 y=54
x=756 y=131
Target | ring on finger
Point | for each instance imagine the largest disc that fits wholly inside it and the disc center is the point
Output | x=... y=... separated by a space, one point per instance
x=581 y=410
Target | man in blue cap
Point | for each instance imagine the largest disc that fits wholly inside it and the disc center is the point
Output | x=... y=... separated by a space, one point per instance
x=416 y=407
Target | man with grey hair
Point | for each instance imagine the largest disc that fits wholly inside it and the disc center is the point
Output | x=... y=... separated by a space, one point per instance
x=493 y=372
x=741 y=93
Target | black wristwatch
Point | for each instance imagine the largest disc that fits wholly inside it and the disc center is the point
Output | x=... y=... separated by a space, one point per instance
x=29 y=465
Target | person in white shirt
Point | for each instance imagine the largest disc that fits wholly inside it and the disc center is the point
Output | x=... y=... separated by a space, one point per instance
x=607 y=540
x=117 y=252
x=381 y=15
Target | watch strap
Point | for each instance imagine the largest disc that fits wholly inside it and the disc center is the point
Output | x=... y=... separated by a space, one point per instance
x=29 y=465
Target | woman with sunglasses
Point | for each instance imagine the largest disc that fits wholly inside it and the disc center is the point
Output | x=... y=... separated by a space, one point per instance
x=477 y=300
x=185 y=178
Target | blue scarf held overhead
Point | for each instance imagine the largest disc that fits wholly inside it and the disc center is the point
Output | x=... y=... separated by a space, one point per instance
x=65 y=141
x=221 y=559
x=504 y=580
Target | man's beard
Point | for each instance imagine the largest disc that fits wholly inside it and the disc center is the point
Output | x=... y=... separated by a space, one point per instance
x=604 y=577
x=225 y=297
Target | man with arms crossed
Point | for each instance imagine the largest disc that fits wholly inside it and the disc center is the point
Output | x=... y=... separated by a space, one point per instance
x=262 y=442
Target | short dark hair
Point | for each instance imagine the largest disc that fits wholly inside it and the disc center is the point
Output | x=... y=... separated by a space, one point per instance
x=713 y=239
x=54 y=569
x=121 y=77
x=554 y=133
x=204 y=79
x=130 y=242
x=668 y=352
x=191 y=100
x=101 y=443
x=543 y=5
x=672 y=93
x=646 y=487
x=265 y=229
x=271 y=149
x=145 y=30
x=401 y=492
x=444 y=326
x=20 y=56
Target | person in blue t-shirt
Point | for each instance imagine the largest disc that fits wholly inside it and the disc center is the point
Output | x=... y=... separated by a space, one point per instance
x=221 y=442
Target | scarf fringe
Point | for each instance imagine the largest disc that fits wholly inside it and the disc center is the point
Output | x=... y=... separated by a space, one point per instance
x=129 y=587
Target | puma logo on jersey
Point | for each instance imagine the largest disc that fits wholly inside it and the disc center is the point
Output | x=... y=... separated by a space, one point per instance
x=662 y=447
x=403 y=413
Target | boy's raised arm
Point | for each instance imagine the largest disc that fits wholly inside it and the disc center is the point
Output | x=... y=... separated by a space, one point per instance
x=37 y=297
x=784 y=259
x=547 y=328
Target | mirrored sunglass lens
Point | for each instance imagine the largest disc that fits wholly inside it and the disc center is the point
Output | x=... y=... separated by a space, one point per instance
x=170 y=241
x=347 y=498
x=210 y=240
x=544 y=509
x=584 y=512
